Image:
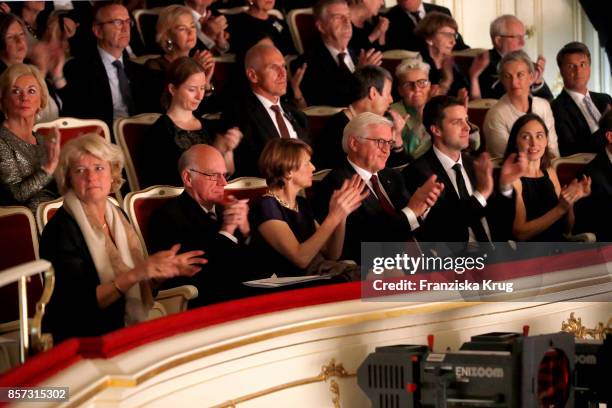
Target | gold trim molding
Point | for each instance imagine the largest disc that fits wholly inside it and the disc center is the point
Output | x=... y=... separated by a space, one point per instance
x=330 y=370
x=574 y=325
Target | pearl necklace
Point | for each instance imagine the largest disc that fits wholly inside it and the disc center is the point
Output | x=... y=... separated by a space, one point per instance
x=282 y=202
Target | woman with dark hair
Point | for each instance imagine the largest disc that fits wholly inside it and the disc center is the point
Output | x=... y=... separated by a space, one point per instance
x=543 y=209
x=439 y=33
x=179 y=129
x=257 y=22
x=286 y=236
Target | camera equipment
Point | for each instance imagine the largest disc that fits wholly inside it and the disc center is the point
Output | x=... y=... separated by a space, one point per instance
x=491 y=370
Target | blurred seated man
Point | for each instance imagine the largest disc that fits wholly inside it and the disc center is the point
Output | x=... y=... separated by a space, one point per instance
x=507 y=35
x=260 y=112
x=372 y=93
x=404 y=17
x=331 y=62
x=104 y=84
x=593 y=212
x=199 y=218
x=389 y=213
x=211 y=30
x=462 y=212
x=577 y=110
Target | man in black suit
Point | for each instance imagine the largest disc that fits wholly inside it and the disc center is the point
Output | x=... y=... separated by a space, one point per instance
x=507 y=35
x=104 y=84
x=260 y=112
x=577 y=110
x=593 y=212
x=404 y=17
x=196 y=220
x=460 y=214
x=331 y=63
x=389 y=213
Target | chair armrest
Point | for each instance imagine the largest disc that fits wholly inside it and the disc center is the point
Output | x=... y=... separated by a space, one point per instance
x=582 y=237
x=175 y=300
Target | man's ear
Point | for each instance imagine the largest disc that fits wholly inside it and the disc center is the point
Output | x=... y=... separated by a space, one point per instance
x=186 y=178
x=497 y=42
x=251 y=75
x=373 y=92
x=97 y=30
x=319 y=26
x=609 y=136
x=171 y=89
x=435 y=131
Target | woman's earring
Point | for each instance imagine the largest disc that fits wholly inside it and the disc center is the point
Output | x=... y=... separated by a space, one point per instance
x=169 y=45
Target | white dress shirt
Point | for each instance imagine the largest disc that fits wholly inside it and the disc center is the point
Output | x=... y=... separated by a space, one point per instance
x=348 y=60
x=267 y=106
x=120 y=109
x=447 y=164
x=421 y=12
x=367 y=176
x=578 y=99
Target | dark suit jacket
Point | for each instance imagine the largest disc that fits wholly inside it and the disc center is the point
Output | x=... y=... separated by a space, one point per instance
x=182 y=220
x=257 y=127
x=369 y=223
x=401 y=29
x=449 y=219
x=324 y=82
x=73 y=310
x=490 y=87
x=573 y=132
x=88 y=94
x=593 y=212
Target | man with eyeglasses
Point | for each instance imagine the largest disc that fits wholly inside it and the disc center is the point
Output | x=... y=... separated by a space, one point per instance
x=202 y=218
x=577 y=110
x=103 y=83
x=331 y=62
x=507 y=35
x=404 y=17
x=260 y=111
x=389 y=213
x=463 y=212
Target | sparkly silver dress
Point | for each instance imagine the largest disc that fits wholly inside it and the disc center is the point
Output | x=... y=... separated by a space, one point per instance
x=22 y=181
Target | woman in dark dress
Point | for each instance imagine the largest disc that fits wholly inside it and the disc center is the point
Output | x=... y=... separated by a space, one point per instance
x=543 y=210
x=178 y=129
x=369 y=28
x=256 y=22
x=286 y=236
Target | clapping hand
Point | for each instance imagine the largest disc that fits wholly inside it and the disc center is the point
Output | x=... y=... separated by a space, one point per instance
x=399 y=123
x=483 y=167
x=167 y=264
x=348 y=198
x=514 y=167
x=52 y=147
x=370 y=57
x=236 y=216
x=425 y=196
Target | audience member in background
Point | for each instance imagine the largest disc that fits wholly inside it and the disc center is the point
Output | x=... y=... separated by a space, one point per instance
x=13 y=41
x=202 y=219
x=516 y=72
x=508 y=35
x=389 y=213
x=331 y=62
x=468 y=210
x=286 y=235
x=439 y=33
x=415 y=90
x=577 y=110
x=179 y=129
x=104 y=84
x=256 y=21
x=260 y=112
x=102 y=278
x=544 y=210
x=176 y=35
x=27 y=161
x=404 y=17
x=210 y=29
x=593 y=213
x=369 y=29
x=372 y=93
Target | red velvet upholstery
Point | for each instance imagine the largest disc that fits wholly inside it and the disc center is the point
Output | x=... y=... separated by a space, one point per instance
x=305 y=24
x=568 y=171
x=316 y=124
x=223 y=74
x=250 y=193
x=147 y=23
x=17 y=248
x=134 y=135
x=73 y=132
x=143 y=208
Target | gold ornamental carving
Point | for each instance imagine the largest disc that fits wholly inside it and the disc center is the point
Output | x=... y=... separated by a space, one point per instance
x=574 y=325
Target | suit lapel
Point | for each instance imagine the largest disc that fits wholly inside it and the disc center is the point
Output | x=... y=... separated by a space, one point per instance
x=437 y=168
x=574 y=111
x=262 y=120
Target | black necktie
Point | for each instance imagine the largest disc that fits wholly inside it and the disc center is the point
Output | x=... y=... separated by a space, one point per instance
x=416 y=15
x=282 y=126
x=124 y=86
x=342 y=62
x=477 y=228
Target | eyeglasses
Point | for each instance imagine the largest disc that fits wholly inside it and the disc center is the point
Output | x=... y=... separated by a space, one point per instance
x=449 y=35
x=515 y=36
x=419 y=83
x=217 y=177
x=118 y=23
x=381 y=143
